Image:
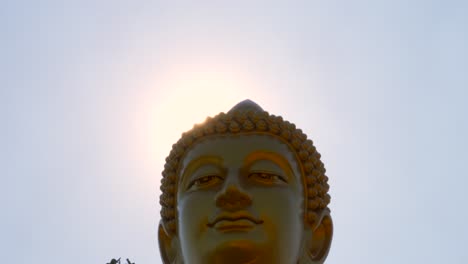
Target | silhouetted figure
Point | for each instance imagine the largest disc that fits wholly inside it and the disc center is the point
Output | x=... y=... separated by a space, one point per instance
x=114 y=261
x=128 y=261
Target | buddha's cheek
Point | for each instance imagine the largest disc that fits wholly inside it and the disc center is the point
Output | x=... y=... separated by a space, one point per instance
x=193 y=212
x=281 y=209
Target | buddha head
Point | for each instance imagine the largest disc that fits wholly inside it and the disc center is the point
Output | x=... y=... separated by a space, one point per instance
x=244 y=187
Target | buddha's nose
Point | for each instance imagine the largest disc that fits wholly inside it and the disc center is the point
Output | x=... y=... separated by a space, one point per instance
x=233 y=199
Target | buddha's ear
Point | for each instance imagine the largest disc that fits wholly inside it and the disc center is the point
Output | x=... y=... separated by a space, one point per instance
x=318 y=237
x=168 y=245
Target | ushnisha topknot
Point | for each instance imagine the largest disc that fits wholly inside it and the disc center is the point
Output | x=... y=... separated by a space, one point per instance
x=247 y=117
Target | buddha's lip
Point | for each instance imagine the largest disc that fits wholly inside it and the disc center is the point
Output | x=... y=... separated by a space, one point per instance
x=234 y=217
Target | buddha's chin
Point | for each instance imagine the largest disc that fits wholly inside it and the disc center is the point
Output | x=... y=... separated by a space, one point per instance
x=237 y=252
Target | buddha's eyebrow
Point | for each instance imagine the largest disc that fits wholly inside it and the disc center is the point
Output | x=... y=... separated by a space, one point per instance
x=194 y=164
x=272 y=156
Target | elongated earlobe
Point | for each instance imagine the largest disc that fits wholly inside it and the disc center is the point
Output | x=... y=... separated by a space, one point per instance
x=318 y=239
x=167 y=245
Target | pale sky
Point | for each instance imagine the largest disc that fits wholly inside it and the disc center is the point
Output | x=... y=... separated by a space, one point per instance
x=94 y=93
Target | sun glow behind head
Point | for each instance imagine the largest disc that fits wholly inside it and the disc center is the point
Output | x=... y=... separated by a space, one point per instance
x=187 y=97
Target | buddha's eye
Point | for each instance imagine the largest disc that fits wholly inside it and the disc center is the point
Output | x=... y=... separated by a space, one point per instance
x=267 y=178
x=205 y=181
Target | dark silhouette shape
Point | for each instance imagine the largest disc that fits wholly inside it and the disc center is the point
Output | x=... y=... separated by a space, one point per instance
x=128 y=261
x=114 y=261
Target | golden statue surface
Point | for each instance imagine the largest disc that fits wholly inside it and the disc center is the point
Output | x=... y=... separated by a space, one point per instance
x=244 y=187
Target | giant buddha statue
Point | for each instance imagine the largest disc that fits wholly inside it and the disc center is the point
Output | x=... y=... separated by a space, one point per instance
x=244 y=187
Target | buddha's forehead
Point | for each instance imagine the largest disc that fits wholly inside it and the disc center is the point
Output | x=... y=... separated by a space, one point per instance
x=234 y=149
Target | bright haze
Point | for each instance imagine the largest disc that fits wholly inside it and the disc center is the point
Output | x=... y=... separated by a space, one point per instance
x=94 y=93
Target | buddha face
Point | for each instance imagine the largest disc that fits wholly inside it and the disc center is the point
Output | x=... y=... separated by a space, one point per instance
x=240 y=200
